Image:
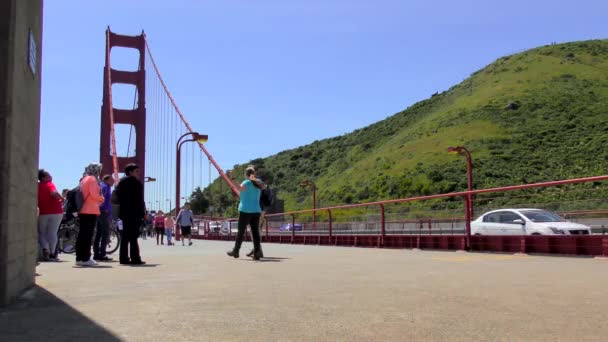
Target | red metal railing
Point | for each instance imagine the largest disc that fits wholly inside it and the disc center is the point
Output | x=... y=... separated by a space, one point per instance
x=578 y=245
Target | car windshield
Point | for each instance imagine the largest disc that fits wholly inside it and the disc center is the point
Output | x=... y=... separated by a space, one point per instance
x=542 y=216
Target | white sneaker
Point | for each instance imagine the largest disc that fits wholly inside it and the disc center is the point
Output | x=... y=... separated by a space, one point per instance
x=89 y=263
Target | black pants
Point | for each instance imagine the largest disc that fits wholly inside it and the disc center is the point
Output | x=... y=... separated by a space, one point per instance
x=160 y=234
x=101 y=236
x=85 y=236
x=129 y=235
x=252 y=219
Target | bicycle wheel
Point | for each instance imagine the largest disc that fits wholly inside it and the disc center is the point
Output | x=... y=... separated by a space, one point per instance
x=66 y=239
x=113 y=241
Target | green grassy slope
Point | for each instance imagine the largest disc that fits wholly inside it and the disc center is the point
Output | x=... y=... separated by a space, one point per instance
x=555 y=128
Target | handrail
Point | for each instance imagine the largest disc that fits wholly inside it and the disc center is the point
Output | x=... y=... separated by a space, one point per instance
x=451 y=194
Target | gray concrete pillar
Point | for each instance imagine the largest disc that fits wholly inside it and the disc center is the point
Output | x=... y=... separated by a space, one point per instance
x=20 y=61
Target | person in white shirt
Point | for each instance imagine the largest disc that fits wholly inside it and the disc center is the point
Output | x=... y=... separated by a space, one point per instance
x=185 y=219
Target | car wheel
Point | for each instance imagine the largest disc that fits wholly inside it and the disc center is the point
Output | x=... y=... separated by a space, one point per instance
x=477 y=234
x=537 y=234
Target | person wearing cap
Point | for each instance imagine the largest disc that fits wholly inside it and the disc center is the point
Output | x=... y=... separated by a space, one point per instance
x=130 y=191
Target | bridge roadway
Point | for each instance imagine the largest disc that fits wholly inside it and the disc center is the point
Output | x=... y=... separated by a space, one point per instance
x=315 y=293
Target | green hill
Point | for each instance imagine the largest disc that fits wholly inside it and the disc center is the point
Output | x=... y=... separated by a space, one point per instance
x=534 y=116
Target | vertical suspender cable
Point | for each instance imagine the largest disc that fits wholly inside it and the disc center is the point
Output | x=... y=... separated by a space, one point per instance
x=233 y=187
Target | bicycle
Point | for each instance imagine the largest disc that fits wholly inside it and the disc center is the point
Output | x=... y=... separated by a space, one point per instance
x=68 y=233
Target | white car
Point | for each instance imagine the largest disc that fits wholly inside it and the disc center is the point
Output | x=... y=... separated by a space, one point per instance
x=525 y=222
x=229 y=228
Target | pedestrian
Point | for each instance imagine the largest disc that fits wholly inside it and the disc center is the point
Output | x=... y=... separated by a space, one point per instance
x=88 y=213
x=262 y=213
x=185 y=219
x=130 y=193
x=104 y=221
x=169 y=226
x=249 y=213
x=159 y=227
x=50 y=213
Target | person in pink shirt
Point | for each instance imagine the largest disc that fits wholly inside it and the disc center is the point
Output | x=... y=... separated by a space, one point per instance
x=50 y=213
x=169 y=226
x=159 y=227
x=88 y=213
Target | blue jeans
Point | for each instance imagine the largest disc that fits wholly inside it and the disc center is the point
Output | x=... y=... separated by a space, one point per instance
x=102 y=235
x=168 y=233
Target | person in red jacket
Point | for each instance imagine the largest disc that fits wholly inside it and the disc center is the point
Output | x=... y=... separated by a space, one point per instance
x=50 y=214
x=88 y=213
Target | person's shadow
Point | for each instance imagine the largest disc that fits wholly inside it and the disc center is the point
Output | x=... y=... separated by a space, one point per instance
x=135 y=265
x=266 y=259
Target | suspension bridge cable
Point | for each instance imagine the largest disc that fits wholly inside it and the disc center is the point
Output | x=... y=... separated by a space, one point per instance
x=131 y=130
x=111 y=110
x=233 y=187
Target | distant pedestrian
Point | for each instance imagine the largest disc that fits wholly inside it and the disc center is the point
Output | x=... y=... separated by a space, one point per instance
x=249 y=213
x=50 y=214
x=169 y=226
x=185 y=219
x=104 y=221
x=88 y=213
x=159 y=227
x=130 y=192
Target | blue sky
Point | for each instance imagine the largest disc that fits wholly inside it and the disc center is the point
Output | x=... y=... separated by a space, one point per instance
x=289 y=71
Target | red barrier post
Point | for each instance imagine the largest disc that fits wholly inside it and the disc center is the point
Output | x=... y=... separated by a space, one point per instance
x=293 y=227
x=382 y=222
x=330 y=222
x=467 y=215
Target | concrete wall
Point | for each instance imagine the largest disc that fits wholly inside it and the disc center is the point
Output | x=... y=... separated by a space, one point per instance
x=19 y=137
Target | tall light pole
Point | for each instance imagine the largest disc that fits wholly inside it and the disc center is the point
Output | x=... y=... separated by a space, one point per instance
x=308 y=182
x=195 y=136
x=461 y=150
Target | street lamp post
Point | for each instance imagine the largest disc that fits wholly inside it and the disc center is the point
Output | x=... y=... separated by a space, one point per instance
x=195 y=136
x=461 y=150
x=314 y=199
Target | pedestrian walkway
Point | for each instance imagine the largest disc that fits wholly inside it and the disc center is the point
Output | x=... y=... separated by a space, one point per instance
x=314 y=293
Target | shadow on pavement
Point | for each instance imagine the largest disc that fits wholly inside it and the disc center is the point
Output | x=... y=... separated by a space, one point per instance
x=40 y=316
x=266 y=259
x=276 y=258
x=144 y=265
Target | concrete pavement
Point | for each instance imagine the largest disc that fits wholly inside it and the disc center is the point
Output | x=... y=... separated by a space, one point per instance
x=315 y=293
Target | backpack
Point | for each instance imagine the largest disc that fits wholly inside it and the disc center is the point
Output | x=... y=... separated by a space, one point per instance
x=267 y=198
x=115 y=202
x=74 y=201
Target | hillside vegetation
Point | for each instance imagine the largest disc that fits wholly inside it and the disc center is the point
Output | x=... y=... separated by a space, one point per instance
x=534 y=116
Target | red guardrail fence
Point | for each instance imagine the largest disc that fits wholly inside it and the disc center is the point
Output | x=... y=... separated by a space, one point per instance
x=401 y=223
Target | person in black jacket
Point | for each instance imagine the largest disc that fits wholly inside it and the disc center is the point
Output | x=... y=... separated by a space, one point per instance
x=130 y=192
